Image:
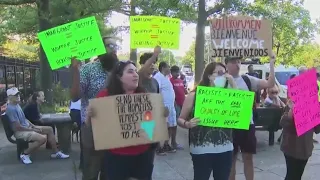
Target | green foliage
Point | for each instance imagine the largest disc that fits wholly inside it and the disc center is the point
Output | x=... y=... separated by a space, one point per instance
x=292 y=25
x=21 y=50
x=308 y=55
x=168 y=57
x=60 y=94
x=189 y=57
x=60 y=101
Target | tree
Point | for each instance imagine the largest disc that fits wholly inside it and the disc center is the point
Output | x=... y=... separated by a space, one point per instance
x=167 y=56
x=189 y=57
x=308 y=55
x=292 y=25
x=46 y=15
x=22 y=49
x=182 y=9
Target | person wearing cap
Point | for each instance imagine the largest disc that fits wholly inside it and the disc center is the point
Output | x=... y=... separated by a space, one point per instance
x=24 y=129
x=245 y=140
x=87 y=81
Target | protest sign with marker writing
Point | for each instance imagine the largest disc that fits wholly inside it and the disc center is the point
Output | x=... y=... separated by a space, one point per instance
x=226 y=108
x=150 y=31
x=80 y=39
x=303 y=91
x=128 y=120
x=236 y=36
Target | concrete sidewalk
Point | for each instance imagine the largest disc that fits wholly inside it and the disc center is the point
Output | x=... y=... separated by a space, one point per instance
x=269 y=163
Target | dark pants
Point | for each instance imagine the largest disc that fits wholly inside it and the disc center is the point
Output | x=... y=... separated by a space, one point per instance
x=218 y=163
x=295 y=168
x=245 y=140
x=92 y=159
x=122 y=167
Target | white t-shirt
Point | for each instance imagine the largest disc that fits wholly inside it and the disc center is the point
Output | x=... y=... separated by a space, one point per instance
x=75 y=105
x=166 y=89
x=241 y=84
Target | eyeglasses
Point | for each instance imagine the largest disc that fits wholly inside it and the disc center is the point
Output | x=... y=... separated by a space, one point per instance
x=113 y=46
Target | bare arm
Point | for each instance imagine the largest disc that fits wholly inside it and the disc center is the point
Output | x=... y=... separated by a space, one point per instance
x=186 y=109
x=264 y=84
x=150 y=61
x=75 y=87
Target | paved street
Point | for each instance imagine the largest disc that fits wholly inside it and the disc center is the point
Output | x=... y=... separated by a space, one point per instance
x=269 y=163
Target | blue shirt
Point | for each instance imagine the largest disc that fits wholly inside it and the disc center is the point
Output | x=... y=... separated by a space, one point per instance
x=15 y=114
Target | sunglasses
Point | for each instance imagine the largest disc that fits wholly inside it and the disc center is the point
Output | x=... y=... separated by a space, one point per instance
x=274 y=92
x=122 y=64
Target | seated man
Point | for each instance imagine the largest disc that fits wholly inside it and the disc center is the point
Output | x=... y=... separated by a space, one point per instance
x=23 y=129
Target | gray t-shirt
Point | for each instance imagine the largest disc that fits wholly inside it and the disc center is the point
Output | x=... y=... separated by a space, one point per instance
x=15 y=114
x=150 y=85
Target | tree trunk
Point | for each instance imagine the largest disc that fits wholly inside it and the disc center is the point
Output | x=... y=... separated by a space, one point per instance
x=200 y=41
x=45 y=70
x=133 y=52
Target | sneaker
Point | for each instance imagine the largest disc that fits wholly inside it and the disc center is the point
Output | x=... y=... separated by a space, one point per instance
x=160 y=152
x=25 y=159
x=177 y=146
x=169 y=149
x=59 y=155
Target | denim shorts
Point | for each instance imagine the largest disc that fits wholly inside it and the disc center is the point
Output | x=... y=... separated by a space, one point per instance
x=219 y=164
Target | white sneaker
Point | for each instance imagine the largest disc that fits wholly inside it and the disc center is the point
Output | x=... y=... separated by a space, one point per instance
x=59 y=155
x=25 y=159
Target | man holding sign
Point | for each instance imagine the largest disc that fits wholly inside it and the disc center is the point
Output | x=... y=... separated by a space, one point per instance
x=87 y=81
x=245 y=140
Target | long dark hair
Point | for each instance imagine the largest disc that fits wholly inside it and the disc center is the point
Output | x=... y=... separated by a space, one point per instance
x=205 y=81
x=115 y=85
x=34 y=97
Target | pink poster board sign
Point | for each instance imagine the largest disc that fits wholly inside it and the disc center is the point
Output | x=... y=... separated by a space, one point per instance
x=303 y=91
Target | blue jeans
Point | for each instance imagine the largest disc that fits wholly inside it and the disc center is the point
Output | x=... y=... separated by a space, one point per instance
x=218 y=163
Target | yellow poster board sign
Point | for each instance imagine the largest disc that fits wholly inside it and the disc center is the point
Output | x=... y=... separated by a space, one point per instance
x=150 y=31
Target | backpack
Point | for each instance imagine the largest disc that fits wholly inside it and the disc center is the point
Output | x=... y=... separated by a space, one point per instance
x=256 y=98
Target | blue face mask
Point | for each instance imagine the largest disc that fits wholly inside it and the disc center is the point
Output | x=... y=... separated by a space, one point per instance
x=220 y=81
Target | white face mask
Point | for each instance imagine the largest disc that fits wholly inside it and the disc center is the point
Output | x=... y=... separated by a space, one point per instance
x=220 y=81
x=18 y=98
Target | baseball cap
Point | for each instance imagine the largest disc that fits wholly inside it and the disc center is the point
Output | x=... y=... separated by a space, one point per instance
x=228 y=59
x=12 y=91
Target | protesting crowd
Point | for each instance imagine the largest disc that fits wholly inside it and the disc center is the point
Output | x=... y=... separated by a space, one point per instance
x=213 y=150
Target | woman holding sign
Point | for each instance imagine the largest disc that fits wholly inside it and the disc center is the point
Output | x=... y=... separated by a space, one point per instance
x=296 y=150
x=128 y=162
x=211 y=148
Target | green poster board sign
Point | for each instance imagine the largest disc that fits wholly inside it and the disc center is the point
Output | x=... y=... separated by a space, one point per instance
x=225 y=108
x=80 y=39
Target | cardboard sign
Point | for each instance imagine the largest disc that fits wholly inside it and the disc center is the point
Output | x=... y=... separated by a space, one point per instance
x=128 y=120
x=150 y=31
x=303 y=91
x=244 y=36
x=225 y=108
x=80 y=39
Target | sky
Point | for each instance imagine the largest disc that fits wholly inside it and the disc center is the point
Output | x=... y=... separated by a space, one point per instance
x=188 y=32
